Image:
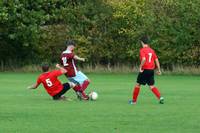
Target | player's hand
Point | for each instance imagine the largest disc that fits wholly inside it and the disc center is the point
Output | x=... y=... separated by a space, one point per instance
x=29 y=87
x=83 y=59
x=159 y=72
x=141 y=70
x=58 y=65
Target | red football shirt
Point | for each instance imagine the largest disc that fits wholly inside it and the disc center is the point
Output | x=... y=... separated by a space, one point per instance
x=67 y=60
x=50 y=82
x=150 y=57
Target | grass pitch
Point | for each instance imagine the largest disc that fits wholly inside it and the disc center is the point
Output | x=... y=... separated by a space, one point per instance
x=33 y=111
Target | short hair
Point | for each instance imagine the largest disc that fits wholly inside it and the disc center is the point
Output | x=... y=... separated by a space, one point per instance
x=70 y=42
x=145 y=39
x=45 y=67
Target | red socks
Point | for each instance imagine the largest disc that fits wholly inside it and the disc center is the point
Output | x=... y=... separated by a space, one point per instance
x=81 y=88
x=85 y=85
x=77 y=88
x=84 y=95
x=156 y=92
x=136 y=93
x=137 y=90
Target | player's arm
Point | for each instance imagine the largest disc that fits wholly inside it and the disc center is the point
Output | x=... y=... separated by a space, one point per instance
x=158 y=66
x=79 y=58
x=34 y=86
x=63 y=70
x=142 y=63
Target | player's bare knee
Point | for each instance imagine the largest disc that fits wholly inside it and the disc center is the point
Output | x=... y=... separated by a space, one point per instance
x=72 y=85
x=137 y=85
x=151 y=86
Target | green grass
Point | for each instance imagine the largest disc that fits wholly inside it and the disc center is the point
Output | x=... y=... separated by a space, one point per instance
x=33 y=111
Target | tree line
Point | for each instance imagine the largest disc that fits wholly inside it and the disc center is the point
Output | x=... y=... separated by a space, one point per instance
x=106 y=31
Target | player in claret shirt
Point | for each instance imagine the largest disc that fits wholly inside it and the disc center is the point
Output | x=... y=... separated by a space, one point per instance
x=50 y=81
x=68 y=60
x=146 y=71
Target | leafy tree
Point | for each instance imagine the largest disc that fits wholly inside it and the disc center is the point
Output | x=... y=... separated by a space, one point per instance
x=107 y=32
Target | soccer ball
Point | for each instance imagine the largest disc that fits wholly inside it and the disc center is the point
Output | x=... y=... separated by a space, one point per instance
x=93 y=95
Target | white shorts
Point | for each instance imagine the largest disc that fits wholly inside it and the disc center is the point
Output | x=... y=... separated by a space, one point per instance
x=79 y=78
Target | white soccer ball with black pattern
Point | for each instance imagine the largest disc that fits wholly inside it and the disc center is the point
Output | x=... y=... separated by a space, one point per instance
x=93 y=95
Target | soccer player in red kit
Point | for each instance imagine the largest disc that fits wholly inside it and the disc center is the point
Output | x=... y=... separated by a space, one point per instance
x=68 y=60
x=146 y=71
x=50 y=81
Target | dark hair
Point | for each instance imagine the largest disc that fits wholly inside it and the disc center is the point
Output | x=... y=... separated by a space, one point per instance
x=145 y=39
x=70 y=42
x=45 y=67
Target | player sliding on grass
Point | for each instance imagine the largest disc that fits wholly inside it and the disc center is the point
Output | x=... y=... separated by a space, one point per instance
x=146 y=71
x=68 y=59
x=50 y=81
